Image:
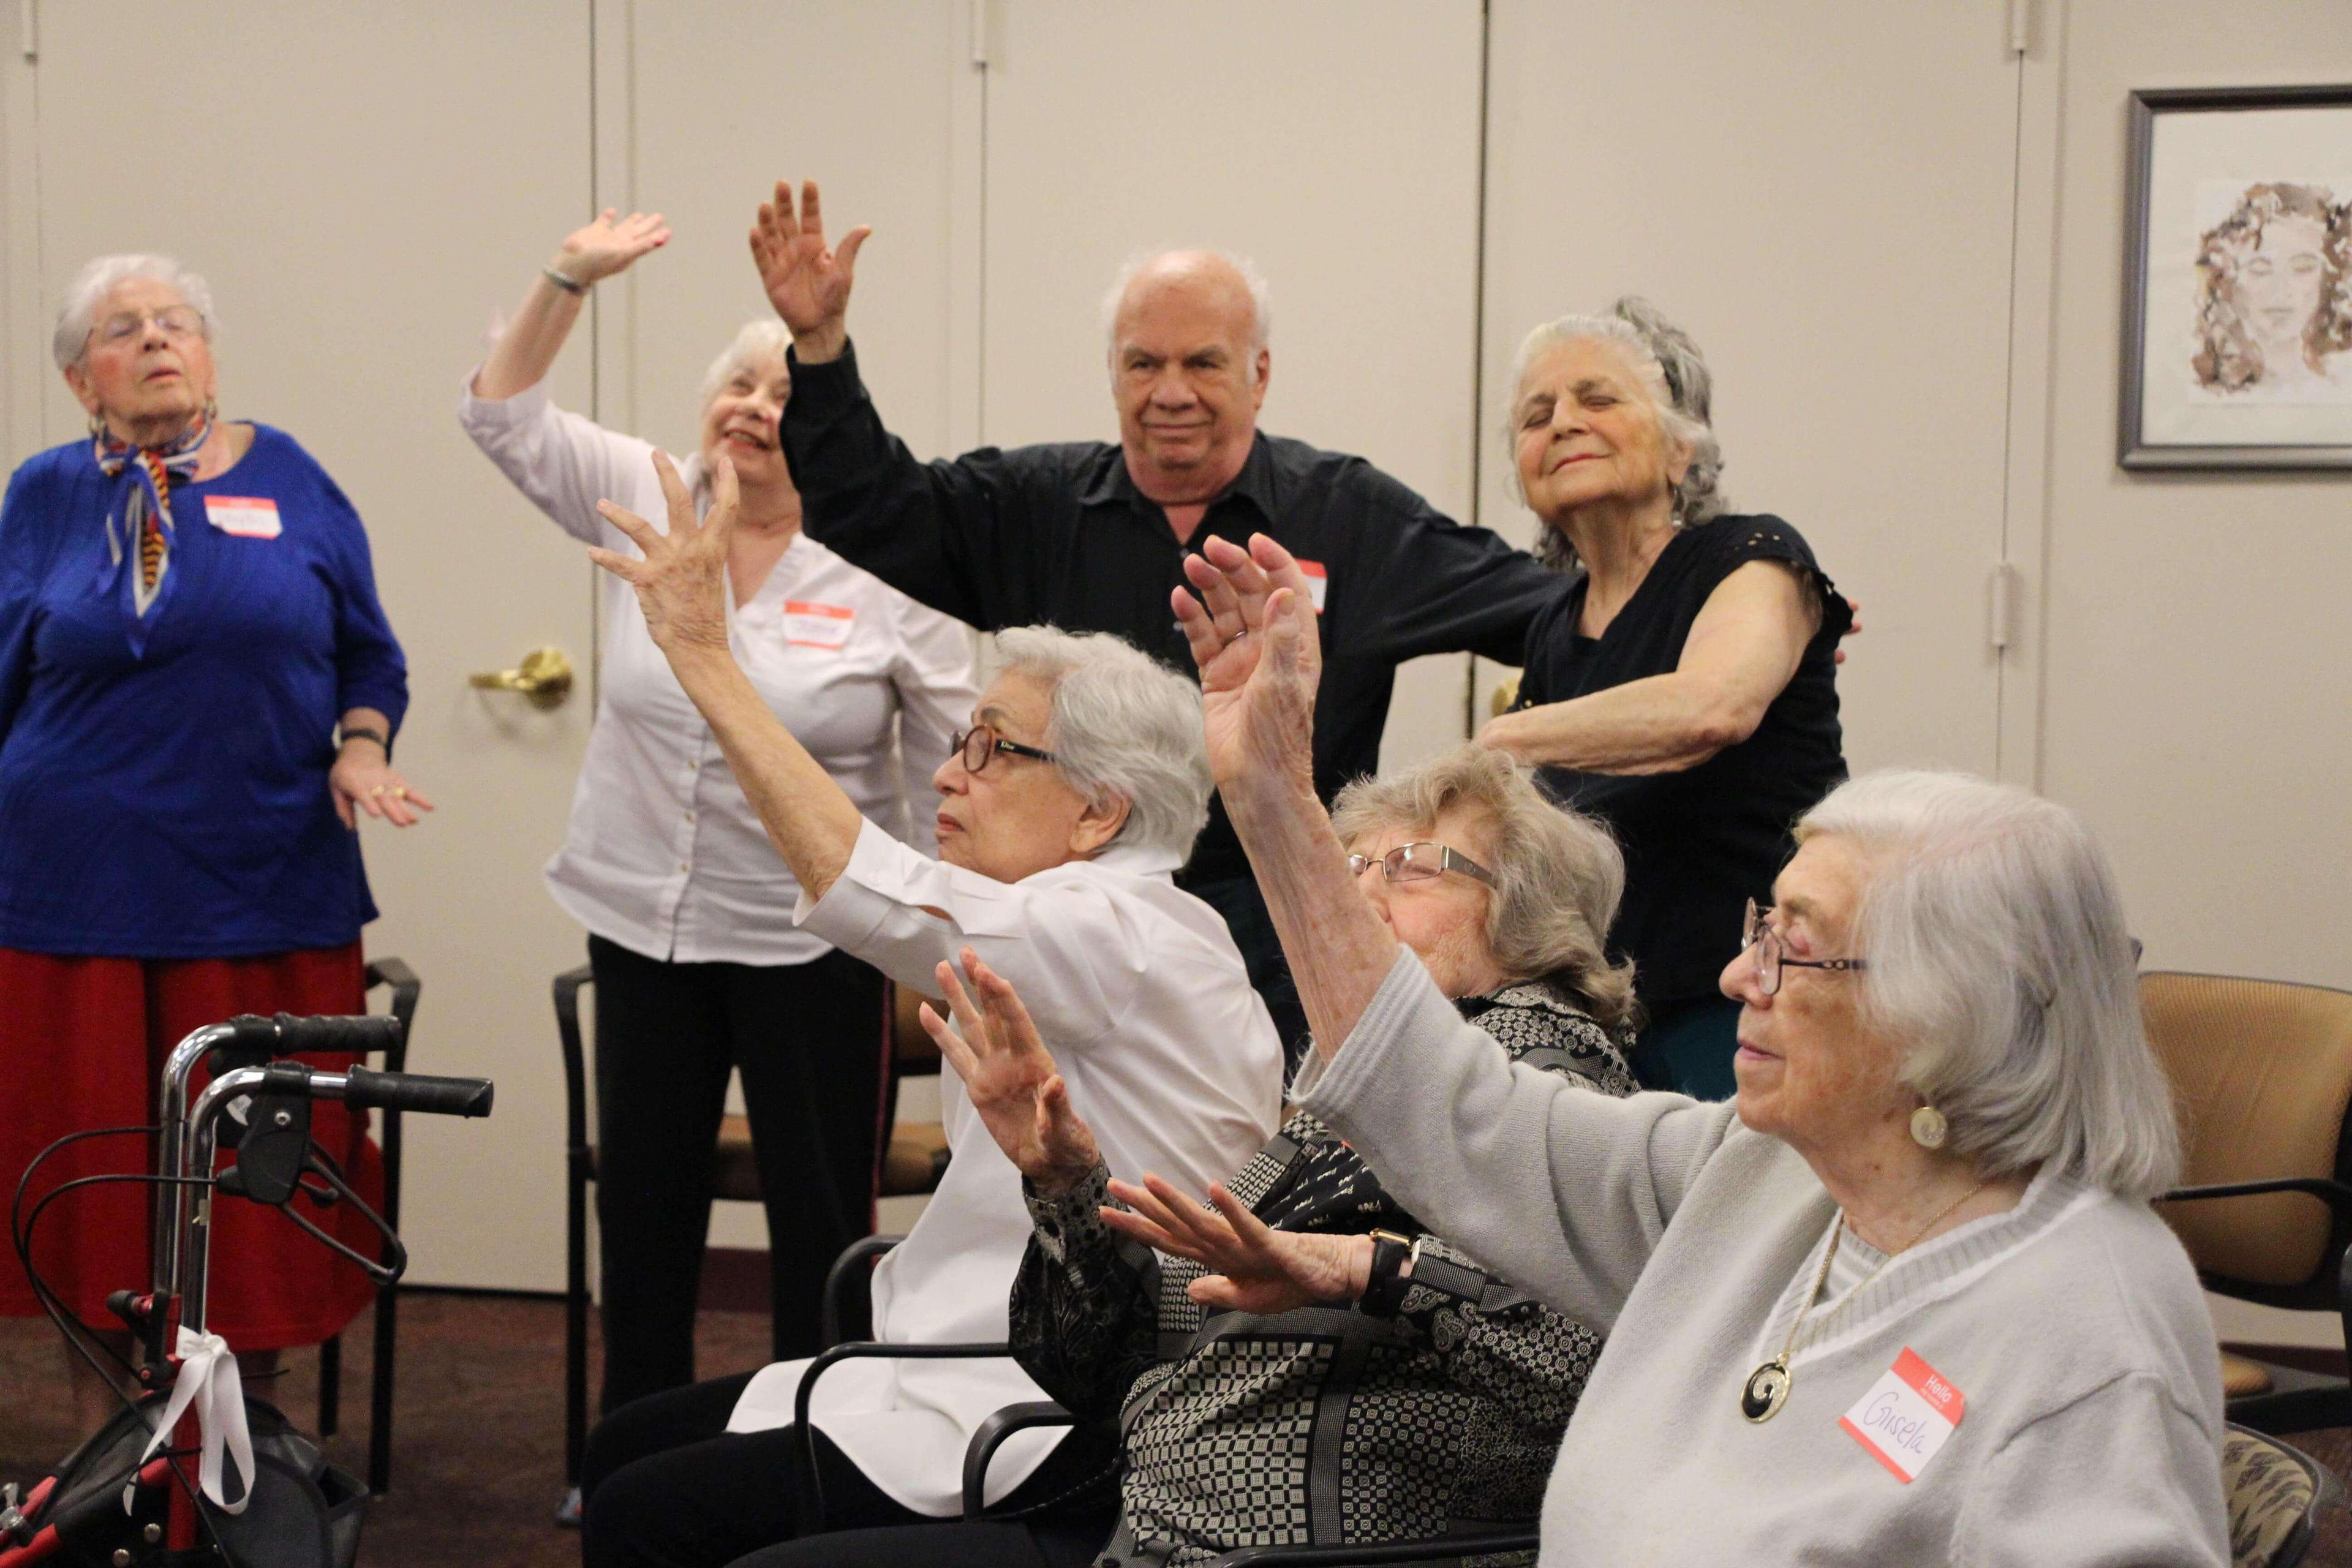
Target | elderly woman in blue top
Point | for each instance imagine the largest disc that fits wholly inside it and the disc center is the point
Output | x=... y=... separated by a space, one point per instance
x=187 y=620
x=1904 y=1300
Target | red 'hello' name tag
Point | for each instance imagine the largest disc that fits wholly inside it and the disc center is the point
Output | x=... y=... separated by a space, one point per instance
x=1907 y=1416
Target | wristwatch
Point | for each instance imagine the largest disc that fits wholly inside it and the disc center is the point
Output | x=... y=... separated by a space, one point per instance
x=1392 y=1275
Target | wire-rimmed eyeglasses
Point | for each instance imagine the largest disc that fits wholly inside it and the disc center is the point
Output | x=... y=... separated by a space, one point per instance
x=1419 y=861
x=980 y=743
x=1757 y=932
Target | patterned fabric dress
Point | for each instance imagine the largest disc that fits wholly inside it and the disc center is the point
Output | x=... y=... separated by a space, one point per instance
x=1322 y=1425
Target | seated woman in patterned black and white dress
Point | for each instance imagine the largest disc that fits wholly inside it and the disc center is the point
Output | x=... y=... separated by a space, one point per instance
x=1401 y=1391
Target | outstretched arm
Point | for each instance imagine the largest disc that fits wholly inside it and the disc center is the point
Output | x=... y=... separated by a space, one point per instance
x=536 y=335
x=1252 y=635
x=682 y=585
x=1742 y=650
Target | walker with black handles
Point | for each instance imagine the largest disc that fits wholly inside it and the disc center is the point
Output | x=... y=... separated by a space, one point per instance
x=193 y=1473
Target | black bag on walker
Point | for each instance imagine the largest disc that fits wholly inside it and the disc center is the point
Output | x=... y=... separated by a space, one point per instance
x=303 y=1512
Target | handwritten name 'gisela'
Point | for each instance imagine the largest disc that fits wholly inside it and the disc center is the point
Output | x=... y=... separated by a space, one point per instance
x=1906 y=1432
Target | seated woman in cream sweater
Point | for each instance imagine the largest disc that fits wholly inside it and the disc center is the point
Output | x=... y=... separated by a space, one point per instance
x=1903 y=1300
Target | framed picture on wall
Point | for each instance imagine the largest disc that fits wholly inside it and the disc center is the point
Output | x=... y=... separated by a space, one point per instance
x=2237 y=345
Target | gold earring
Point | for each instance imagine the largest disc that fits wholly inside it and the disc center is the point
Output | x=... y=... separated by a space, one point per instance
x=96 y=426
x=1928 y=1127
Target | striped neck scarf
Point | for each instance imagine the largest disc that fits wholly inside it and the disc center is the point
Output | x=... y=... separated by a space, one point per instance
x=139 y=520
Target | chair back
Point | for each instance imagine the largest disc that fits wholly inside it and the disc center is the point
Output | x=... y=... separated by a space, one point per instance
x=2261 y=1072
x=2274 y=1495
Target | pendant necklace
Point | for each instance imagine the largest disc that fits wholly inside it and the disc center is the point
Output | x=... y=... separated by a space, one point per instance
x=1767 y=1388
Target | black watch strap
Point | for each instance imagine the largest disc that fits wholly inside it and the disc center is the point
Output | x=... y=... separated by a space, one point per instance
x=1384 y=1292
x=365 y=732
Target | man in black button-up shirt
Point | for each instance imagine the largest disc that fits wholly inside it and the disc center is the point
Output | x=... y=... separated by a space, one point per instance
x=1092 y=536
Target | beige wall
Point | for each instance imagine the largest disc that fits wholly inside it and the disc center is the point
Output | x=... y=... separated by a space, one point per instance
x=2197 y=697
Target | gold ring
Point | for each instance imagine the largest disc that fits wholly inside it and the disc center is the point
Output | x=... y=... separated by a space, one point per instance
x=376 y=790
x=399 y=791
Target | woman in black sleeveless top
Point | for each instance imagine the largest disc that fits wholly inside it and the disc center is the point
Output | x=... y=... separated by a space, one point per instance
x=1684 y=690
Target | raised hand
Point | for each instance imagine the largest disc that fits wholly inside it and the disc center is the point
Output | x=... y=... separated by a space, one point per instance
x=1252 y=635
x=681 y=583
x=609 y=244
x=806 y=282
x=1009 y=1078
x=1252 y=1268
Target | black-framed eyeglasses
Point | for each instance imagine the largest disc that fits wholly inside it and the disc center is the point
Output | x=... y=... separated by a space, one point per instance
x=1757 y=934
x=1419 y=862
x=979 y=743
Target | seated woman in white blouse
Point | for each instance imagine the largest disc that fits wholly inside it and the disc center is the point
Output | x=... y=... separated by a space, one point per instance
x=1063 y=815
x=698 y=969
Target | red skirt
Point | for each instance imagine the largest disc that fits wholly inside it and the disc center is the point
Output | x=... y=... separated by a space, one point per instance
x=82 y=1043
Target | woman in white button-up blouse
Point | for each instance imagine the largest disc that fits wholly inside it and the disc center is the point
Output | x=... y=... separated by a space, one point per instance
x=699 y=968
x=1076 y=794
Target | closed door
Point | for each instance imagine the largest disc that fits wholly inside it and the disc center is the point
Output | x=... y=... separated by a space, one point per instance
x=882 y=118
x=1334 y=142
x=362 y=187
x=1843 y=257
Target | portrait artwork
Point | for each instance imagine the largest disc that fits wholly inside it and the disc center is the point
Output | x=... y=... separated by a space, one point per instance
x=2238 y=292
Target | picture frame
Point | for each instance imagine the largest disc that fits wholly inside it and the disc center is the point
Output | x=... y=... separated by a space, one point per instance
x=2237 y=329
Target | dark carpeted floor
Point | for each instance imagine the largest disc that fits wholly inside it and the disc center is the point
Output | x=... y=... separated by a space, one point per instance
x=478 y=1432
x=477 y=1464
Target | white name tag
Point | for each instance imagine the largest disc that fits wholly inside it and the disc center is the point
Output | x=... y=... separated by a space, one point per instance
x=1318 y=583
x=1904 y=1420
x=808 y=624
x=247 y=517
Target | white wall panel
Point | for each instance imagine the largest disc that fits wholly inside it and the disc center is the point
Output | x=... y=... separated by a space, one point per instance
x=1820 y=191
x=1333 y=141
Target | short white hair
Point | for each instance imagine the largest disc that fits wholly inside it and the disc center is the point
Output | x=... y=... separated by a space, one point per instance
x=1681 y=388
x=1261 y=294
x=1121 y=726
x=761 y=340
x=78 y=315
x=2000 y=963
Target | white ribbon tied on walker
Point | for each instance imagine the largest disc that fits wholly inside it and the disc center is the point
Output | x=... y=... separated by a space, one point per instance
x=209 y=1382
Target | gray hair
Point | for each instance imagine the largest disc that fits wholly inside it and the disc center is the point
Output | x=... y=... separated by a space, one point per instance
x=90 y=286
x=1260 y=295
x=1681 y=392
x=760 y=340
x=1558 y=873
x=1121 y=726
x=1999 y=956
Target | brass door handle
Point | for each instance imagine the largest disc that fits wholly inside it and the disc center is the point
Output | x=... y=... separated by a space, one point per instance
x=544 y=677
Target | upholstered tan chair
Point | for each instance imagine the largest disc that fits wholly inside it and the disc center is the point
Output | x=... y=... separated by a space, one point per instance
x=2263 y=1073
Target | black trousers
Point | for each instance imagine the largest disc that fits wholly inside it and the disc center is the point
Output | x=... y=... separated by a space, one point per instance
x=1244 y=907
x=666 y=1486
x=807 y=1039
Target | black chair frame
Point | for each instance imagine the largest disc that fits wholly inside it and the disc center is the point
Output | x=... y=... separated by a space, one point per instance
x=2298 y=1400
x=850 y=1269
x=405 y=989
x=579 y=1170
x=1435 y=1549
